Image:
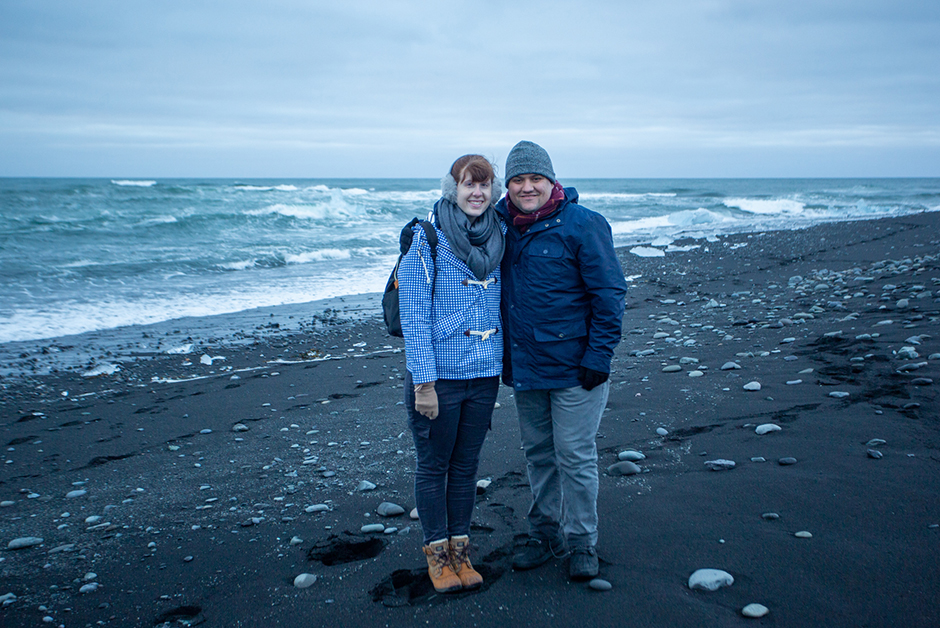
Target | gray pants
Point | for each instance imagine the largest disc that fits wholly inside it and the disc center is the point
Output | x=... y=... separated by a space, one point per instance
x=559 y=428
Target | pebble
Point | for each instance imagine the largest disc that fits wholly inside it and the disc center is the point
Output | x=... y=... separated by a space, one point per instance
x=317 y=508
x=710 y=579
x=599 y=584
x=88 y=588
x=24 y=542
x=631 y=455
x=77 y=493
x=754 y=610
x=875 y=442
x=6 y=503
x=794 y=382
x=239 y=427
x=366 y=485
x=787 y=461
x=838 y=394
x=696 y=373
x=752 y=386
x=413 y=514
x=672 y=368
x=728 y=366
x=720 y=464
x=388 y=509
x=766 y=428
x=296 y=540
x=875 y=454
x=922 y=381
x=372 y=527
x=758 y=459
x=770 y=516
x=624 y=467
x=662 y=431
x=803 y=534
x=305 y=580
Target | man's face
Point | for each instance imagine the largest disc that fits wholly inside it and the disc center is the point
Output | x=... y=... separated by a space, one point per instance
x=529 y=192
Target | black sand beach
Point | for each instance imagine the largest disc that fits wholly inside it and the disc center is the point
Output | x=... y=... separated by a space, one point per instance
x=179 y=490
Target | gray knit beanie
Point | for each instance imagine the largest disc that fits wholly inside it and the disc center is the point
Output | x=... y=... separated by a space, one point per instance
x=528 y=158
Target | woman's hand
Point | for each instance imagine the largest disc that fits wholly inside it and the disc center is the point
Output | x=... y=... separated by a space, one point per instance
x=426 y=400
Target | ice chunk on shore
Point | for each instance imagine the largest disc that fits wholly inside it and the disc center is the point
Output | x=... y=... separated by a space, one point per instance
x=647 y=251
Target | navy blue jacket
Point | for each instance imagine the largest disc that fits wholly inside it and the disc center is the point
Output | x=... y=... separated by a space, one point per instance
x=563 y=297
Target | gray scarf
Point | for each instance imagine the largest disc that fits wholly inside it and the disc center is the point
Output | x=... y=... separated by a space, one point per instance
x=480 y=244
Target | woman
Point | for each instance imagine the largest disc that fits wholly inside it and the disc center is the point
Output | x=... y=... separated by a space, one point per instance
x=454 y=347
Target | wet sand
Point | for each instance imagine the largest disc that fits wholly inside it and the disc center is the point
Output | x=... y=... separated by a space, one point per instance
x=177 y=489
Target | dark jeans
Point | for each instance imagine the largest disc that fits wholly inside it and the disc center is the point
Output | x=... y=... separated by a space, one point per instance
x=448 y=451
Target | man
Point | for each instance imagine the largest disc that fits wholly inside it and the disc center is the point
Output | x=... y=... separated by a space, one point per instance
x=563 y=303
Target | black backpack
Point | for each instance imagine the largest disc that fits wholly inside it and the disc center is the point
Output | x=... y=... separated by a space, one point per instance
x=390 y=307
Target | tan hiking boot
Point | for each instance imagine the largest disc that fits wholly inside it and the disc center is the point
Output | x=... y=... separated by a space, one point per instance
x=470 y=578
x=439 y=568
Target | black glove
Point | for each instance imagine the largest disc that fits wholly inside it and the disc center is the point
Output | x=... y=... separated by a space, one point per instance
x=591 y=379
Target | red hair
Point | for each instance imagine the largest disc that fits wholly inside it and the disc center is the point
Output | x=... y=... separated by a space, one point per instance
x=477 y=166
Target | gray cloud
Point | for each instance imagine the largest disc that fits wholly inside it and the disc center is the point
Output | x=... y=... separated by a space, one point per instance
x=290 y=88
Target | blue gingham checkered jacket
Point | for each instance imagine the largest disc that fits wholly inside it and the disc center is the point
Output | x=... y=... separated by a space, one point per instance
x=448 y=339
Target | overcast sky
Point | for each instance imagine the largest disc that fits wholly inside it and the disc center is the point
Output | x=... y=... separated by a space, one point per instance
x=303 y=88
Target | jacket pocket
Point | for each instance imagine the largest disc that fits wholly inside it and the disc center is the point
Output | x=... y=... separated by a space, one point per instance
x=447 y=326
x=551 y=248
x=558 y=332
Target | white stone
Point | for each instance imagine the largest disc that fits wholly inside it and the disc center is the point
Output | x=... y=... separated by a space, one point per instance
x=305 y=580
x=371 y=528
x=696 y=373
x=239 y=427
x=599 y=584
x=366 y=485
x=624 y=467
x=766 y=428
x=672 y=368
x=662 y=431
x=24 y=542
x=73 y=494
x=752 y=386
x=719 y=464
x=317 y=508
x=754 y=610
x=794 y=382
x=88 y=588
x=727 y=366
x=388 y=509
x=296 y=540
x=710 y=579
x=838 y=394
x=93 y=519
x=803 y=534
x=413 y=514
x=631 y=455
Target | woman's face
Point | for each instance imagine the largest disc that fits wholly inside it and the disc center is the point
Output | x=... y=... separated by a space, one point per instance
x=473 y=197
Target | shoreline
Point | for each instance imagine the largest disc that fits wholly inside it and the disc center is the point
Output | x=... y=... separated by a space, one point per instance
x=107 y=348
x=176 y=491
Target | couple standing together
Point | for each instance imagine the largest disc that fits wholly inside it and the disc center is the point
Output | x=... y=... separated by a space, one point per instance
x=527 y=287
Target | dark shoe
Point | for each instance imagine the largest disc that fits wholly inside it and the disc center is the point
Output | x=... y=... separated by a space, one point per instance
x=583 y=563
x=536 y=552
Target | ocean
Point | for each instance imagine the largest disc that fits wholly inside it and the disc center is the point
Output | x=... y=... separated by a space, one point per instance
x=80 y=255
